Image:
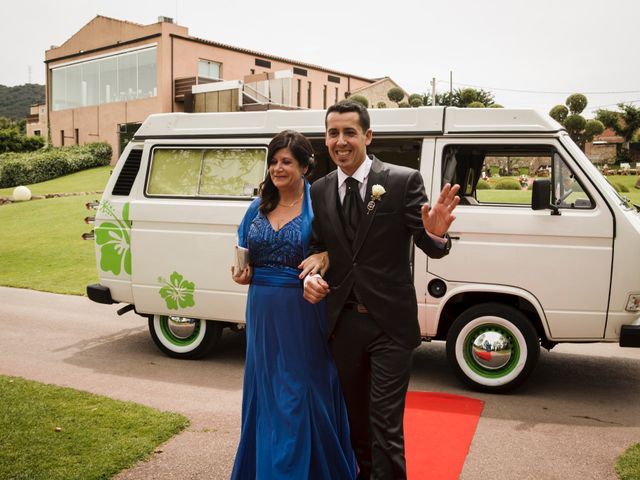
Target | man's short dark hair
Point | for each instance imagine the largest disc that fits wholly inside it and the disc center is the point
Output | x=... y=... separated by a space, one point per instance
x=347 y=106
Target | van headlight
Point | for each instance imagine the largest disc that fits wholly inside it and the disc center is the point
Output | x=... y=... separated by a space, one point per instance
x=633 y=305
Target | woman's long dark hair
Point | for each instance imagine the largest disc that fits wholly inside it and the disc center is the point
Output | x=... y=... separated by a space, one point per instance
x=302 y=151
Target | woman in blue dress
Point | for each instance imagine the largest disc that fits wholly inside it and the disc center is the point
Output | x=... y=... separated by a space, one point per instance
x=294 y=420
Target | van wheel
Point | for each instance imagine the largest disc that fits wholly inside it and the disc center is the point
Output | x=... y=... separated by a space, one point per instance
x=186 y=338
x=492 y=347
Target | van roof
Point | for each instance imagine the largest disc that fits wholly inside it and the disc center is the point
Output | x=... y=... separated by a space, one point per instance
x=392 y=121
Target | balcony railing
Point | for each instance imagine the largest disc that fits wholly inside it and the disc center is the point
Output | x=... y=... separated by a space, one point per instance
x=183 y=85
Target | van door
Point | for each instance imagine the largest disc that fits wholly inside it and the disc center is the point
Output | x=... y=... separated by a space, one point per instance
x=563 y=260
x=184 y=228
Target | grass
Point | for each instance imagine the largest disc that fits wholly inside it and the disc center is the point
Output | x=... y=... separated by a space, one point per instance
x=628 y=464
x=41 y=246
x=524 y=196
x=97 y=437
x=91 y=180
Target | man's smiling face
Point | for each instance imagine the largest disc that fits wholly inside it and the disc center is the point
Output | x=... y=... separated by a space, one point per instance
x=346 y=141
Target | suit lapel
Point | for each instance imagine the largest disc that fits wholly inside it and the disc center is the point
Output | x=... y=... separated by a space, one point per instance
x=377 y=176
x=331 y=201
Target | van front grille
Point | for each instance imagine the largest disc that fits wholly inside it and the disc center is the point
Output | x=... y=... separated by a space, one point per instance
x=128 y=173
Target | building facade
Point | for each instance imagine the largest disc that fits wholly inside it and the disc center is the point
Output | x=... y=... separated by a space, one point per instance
x=105 y=80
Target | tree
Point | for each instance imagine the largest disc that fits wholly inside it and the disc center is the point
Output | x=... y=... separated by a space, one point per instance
x=462 y=98
x=396 y=94
x=362 y=100
x=569 y=115
x=625 y=123
x=381 y=105
x=476 y=105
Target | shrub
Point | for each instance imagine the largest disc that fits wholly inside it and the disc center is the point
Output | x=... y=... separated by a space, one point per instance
x=362 y=100
x=414 y=98
x=508 y=184
x=34 y=167
x=483 y=185
x=404 y=105
x=620 y=187
x=381 y=105
x=416 y=102
x=11 y=140
x=476 y=105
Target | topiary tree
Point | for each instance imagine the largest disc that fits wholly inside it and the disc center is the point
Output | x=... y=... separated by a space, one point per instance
x=414 y=98
x=476 y=105
x=578 y=128
x=381 y=105
x=362 y=100
x=495 y=105
x=576 y=103
x=396 y=94
x=559 y=113
x=404 y=105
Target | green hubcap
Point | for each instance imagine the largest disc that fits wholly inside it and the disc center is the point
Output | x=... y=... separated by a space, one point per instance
x=491 y=351
x=180 y=331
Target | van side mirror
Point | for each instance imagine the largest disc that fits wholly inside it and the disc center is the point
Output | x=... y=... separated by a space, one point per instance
x=541 y=195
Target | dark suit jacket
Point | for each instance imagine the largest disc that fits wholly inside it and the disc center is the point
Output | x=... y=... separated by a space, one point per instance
x=377 y=267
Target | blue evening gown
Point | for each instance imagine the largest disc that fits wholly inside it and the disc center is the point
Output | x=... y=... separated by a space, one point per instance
x=294 y=420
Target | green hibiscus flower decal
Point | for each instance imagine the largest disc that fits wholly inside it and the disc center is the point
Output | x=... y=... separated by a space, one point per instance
x=115 y=241
x=178 y=292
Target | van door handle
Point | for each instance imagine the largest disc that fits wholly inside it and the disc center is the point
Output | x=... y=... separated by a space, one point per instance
x=454 y=237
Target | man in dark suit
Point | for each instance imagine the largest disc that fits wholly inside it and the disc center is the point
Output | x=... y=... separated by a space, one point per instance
x=366 y=213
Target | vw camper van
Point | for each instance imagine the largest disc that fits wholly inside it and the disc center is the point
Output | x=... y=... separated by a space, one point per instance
x=550 y=260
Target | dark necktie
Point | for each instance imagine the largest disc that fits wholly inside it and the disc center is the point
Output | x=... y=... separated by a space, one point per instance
x=352 y=208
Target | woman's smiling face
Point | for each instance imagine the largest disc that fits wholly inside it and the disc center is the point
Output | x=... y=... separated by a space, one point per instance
x=285 y=171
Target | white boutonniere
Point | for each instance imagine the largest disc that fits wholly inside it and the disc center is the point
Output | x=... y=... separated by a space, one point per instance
x=377 y=191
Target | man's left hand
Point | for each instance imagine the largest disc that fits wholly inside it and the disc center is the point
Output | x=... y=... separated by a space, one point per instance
x=437 y=219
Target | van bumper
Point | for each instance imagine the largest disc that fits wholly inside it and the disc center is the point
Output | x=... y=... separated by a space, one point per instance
x=100 y=294
x=630 y=336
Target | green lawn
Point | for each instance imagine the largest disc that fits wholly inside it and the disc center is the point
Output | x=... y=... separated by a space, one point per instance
x=55 y=433
x=628 y=464
x=524 y=196
x=41 y=246
x=92 y=180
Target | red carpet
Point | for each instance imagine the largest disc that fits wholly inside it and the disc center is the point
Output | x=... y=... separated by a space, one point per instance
x=438 y=430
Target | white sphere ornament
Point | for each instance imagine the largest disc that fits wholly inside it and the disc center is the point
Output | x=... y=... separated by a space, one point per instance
x=21 y=194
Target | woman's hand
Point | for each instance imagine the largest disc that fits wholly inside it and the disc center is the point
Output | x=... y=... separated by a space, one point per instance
x=316 y=263
x=244 y=277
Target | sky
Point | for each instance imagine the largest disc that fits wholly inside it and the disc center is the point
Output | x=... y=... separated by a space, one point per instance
x=528 y=54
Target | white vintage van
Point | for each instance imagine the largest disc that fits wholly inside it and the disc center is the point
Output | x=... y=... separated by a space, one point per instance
x=555 y=262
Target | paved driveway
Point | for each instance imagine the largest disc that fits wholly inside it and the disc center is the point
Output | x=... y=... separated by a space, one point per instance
x=577 y=413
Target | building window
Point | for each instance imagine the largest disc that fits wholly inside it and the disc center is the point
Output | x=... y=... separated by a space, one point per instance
x=77 y=136
x=126 y=131
x=37 y=133
x=333 y=79
x=309 y=95
x=209 y=69
x=62 y=138
x=299 y=93
x=300 y=71
x=324 y=96
x=118 y=78
x=336 y=100
x=263 y=63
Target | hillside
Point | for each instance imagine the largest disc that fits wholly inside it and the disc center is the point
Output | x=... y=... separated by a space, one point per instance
x=15 y=101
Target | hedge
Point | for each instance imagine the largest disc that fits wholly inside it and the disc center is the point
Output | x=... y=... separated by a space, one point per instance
x=35 y=167
x=507 y=184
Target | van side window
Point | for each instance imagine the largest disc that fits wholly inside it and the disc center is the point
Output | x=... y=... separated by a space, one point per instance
x=206 y=172
x=504 y=175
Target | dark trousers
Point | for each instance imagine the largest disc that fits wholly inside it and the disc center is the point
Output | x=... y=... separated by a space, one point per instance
x=374 y=372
